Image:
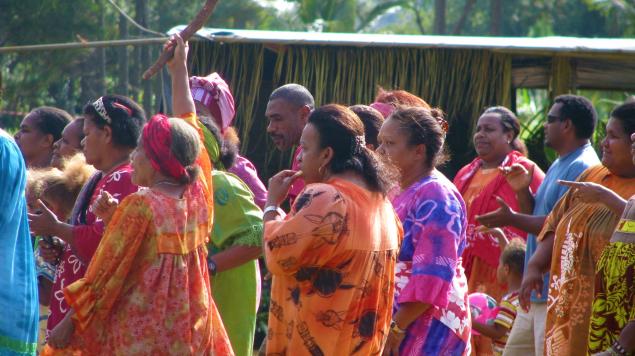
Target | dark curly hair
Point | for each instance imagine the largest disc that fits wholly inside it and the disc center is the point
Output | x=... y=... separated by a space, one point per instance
x=372 y=120
x=340 y=129
x=514 y=256
x=51 y=121
x=626 y=114
x=127 y=117
x=580 y=111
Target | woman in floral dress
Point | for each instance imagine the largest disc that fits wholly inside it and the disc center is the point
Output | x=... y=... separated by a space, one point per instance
x=431 y=309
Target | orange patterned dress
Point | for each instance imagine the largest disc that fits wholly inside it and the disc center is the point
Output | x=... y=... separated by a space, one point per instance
x=582 y=231
x=333 y=265
x=147 y=290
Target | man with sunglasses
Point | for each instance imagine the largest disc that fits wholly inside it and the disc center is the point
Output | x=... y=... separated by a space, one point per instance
x=568 y=129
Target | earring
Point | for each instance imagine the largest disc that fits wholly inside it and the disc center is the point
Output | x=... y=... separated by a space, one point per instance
x=320 y=170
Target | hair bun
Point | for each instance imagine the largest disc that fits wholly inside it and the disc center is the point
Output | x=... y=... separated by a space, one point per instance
x=439 y=115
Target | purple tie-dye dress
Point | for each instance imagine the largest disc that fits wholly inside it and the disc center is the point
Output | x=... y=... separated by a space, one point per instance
x=429 y=268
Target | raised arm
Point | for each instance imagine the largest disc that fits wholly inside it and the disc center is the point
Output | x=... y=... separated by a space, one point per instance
x=182 y=102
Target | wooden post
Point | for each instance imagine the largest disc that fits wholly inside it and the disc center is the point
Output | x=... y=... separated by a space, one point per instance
x=562 y=79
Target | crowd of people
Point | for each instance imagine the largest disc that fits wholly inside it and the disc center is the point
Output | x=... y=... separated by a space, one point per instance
x=123 y=235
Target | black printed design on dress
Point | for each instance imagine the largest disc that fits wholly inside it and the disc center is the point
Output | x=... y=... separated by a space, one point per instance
x=295 y=296
x=290 y=330
x=309 y=340
x=364 y=328
x=331 y=318
x=366 y=288
x=288 y=263
x=325 y=281
x=276 y=310
x=329 y=229
x=282 y=240
x=306 y=199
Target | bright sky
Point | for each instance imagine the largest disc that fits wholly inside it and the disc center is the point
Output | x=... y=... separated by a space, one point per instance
x=281 y=5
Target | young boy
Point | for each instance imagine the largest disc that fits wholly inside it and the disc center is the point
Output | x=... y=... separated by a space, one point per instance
x=510 y=271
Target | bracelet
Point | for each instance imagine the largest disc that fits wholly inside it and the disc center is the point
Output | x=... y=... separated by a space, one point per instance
x=618 y=348
x=273 y=208
x=396 y=329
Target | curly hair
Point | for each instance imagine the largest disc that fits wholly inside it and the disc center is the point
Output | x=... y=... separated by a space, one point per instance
x=127 y=117
x=514 y=256
x=580 y=111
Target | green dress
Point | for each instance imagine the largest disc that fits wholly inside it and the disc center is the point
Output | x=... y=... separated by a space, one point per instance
x=237 y=221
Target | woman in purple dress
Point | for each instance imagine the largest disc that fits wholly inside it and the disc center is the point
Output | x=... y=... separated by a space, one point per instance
x=431 y=314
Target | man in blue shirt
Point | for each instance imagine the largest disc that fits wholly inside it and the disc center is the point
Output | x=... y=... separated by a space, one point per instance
x=568 y=130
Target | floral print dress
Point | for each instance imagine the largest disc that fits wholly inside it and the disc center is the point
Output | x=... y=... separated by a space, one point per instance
x=429 y=268
x=582 y=232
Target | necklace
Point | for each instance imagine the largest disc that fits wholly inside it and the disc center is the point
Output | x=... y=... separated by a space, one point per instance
x=166 y=182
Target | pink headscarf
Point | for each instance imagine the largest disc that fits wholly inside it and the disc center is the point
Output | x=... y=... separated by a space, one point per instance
x=383 y=108
x=213 y=92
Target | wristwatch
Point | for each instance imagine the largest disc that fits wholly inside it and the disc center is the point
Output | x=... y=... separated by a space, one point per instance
x=275 y=209
x=211 y=266
x=396 y=329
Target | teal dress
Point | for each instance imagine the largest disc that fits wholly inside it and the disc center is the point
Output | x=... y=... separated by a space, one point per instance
x=18 y=284
x=237 y=221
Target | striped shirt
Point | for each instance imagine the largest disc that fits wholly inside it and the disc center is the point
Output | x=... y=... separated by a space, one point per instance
x=505 y=317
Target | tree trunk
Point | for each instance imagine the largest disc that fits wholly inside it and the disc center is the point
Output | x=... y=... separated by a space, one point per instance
x=495 y=20
x=100 y=83
x=467 y=9
x=439 y=17
x=142 y=19
x=122 y=87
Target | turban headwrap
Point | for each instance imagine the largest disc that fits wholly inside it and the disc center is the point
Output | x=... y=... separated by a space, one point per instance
x=213 y=92
x=157 y=140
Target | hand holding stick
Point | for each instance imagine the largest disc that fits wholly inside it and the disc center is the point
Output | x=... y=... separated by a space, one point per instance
x=188 y=32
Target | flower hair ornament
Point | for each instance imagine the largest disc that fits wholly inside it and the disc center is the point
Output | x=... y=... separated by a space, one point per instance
x=444 y=125
x=358 y=144
x=101 y=110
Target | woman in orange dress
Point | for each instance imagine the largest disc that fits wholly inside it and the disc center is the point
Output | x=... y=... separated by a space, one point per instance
x=333 y=257
x=482 y=182
x=147 y=290
x=575 y=235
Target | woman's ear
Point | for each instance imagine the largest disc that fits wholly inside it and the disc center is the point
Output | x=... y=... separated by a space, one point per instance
x=327 y=155
x=509 y=136
x=421 y=151
x=107 y=134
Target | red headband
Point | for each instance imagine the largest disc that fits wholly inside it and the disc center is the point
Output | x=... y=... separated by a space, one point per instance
x=157 y=140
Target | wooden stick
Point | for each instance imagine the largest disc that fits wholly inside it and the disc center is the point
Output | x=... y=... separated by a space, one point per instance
x=188 y=32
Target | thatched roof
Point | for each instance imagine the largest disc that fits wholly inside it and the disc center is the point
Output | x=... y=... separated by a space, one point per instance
x=461 y=75
x=598 y=63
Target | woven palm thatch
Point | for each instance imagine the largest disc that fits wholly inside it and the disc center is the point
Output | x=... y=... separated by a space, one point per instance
x=461 y=82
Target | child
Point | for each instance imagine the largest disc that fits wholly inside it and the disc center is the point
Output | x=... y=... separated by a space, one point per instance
x=57 y=190
x=510 y=271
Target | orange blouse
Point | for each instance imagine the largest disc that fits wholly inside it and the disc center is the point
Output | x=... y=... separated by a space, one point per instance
x=332 y=261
